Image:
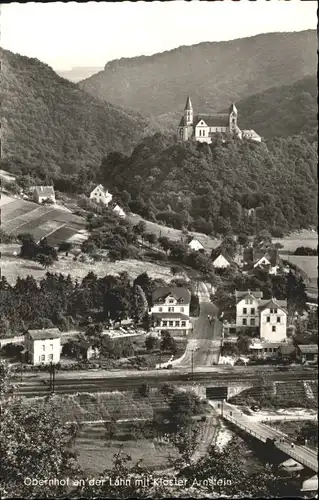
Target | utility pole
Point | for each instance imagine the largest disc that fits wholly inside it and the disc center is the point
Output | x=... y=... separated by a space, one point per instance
x=53 y=378
x=192 y=365
x=50 y=371
x=222 y=408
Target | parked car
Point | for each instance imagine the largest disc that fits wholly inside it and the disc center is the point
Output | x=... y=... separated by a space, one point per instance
x=255 y=408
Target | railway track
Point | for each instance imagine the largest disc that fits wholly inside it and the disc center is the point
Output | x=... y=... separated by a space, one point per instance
x=75 y=385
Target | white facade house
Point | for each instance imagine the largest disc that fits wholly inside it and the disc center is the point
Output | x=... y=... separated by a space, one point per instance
x=43 y=193
x=195 y=245
x=119 y=211
x=247 y=313
x=251 y=135
x=221 y=262
x=263 y=261
x=43 y=346
x=273 y=321
x=101 y=195
x=170 y=310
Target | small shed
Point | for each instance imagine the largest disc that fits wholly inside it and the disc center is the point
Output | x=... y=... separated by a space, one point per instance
x=307 y=353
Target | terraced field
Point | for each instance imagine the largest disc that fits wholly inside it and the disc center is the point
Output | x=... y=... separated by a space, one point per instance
x=20 y=216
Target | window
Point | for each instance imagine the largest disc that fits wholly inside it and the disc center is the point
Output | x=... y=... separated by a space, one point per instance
x=248 y=301
x=171 y=309
x=268 y=319
x=200 y=132
x=176 y=323
x=182 y=300
x=51 y=346
x=244 y=321
x=50 y=356
x=171 y=323
x=252 y=311
x=245 y=310
x=43 y=347
x=43 y=357
x=164 y=323
x=160 y=309
x=252 y=322
x=171 y=301
x=273 y=328
x=203 y=132
x=183 y=323
x=275 y=311
x=182 y=309
x=278 y=319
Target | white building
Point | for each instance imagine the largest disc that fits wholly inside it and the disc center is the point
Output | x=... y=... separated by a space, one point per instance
x=101 y=195
x=247 y=313
x=119 y=211
x=273 y=320
x=195 y=245
x=221 y=262
x=43 y=346
x=251 y=135
x=170 y=310
x=43 y=193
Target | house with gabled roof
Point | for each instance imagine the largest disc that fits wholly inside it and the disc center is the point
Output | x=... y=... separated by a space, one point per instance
x=266 y=259
x=247 y=303
x=273 y=320
x=195 y=245
x=170 y=310
x=307 y=353
x=43 y=193
x=101 y=195
x=43 y=346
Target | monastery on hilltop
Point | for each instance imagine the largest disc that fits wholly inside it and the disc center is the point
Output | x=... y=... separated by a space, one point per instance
x=203 y=127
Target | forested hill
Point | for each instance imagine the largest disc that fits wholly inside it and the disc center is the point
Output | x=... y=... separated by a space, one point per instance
x=208 y=187
x=51 y=124
x=214 y=73
x=283 y=111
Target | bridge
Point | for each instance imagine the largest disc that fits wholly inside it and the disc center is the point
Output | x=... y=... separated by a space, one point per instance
x=302 y=454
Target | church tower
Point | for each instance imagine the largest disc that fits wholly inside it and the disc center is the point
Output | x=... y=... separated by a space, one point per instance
x=188 y=112
x=233 y=115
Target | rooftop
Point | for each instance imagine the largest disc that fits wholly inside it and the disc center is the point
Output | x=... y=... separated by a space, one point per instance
x=46 y=333
x=168 y=315
x=180 y=293
x=218 y=120
x=44 y=190
x=308 y=348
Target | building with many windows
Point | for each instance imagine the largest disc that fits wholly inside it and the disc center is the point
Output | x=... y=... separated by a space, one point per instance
x=170 y=310
x=269 y=316
x=43 y=346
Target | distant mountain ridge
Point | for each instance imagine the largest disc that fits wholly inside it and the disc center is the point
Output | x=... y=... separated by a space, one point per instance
x=214 y=73
x=50 y=124
x=78 y=73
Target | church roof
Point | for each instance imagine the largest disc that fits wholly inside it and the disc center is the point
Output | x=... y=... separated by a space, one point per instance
x=233 y=108
x=188 y=105
x=220 y=120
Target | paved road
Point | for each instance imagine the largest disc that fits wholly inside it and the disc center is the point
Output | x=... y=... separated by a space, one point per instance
x=205 y=340
x=301 y=454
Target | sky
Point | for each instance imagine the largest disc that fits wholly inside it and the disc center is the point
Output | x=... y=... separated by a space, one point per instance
x=67 y=35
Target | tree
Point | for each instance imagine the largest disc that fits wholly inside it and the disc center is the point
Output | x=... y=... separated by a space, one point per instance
x=35 y=444
x=65 y=246
x=139 y=303
x=151 y=342
x=140 y=228
x=45 y=260
x=176 y=270
x=182 y=406
x=29 y=247
x=168 y=342
x=144 y=390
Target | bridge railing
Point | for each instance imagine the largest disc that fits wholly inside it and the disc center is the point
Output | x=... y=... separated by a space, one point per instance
x=298 y=458
x=244 y=427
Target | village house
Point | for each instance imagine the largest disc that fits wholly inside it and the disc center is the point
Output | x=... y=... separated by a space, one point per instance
x=203 y=127
x=101 y=195
x=221 y=262
x=195 y=245
x=170 y=310
x=264 y=350
x=262 y=259
x=119 y=211
x=88 y=350
x=268 y=315
x=273 y=320
x=43 y=193
x=43 y=346
x=307 y=353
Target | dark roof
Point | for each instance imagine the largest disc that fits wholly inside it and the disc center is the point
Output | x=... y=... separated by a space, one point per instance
x=240 y=294
x=47 y=333
x=308 y=348
x=272 y=304
x=188 y=105
x=167 y=315
x=232 y=108
x=220 y=120
x=177 y=291
x=287 y=349
x=44 y=190
x=182 y=122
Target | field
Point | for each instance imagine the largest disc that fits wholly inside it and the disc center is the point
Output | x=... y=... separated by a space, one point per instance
x=21 y=216
x=308 y=264
x=12 y=267
x=174 y=234
x=298 y=239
